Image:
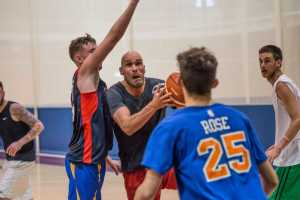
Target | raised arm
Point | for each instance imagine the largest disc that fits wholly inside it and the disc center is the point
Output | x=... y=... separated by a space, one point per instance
x=289 y=101
x=130 y=123
x=19 y=113
x=91 y=63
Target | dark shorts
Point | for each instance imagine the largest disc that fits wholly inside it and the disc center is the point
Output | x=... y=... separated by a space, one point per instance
x=134 y=179
x=85 y=180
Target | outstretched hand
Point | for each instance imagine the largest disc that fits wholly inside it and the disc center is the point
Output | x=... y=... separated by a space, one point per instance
x=134 y=1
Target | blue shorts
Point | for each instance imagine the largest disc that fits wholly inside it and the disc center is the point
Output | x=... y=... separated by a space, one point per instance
x=85 y=180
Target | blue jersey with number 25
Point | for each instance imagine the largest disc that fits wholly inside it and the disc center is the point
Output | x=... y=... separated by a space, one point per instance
x=215 y=152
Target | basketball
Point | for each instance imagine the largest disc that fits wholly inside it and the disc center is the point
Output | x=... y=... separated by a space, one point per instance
x=173 y=87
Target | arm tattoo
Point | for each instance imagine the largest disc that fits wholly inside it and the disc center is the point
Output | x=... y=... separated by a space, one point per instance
x=21 y=114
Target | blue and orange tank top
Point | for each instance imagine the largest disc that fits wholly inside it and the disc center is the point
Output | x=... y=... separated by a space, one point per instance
x=92 y=125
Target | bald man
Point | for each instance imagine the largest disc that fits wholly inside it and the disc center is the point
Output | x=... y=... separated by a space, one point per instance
x=137 y=104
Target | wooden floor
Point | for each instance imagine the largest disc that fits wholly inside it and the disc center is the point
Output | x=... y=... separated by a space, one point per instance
x=50 y=183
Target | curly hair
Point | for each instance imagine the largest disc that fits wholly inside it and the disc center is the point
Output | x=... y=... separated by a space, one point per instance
x=77 y=44
x=198 y=69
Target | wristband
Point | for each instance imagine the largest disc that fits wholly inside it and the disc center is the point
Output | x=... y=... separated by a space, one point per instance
x=283 y=142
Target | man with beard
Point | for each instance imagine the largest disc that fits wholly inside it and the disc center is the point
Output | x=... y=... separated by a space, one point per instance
x=18 y=129
x=137 y=105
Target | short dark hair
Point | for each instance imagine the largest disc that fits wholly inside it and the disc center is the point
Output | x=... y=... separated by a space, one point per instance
x=198 y=69
x=76 y=44
x=276 y=51
x=1 y=85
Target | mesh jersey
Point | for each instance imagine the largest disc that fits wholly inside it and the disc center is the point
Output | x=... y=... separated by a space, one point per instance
x=214 y=150
x=92 y=127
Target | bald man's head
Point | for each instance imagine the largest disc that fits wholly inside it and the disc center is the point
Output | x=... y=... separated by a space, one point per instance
x=130 y=54
x=133 y=69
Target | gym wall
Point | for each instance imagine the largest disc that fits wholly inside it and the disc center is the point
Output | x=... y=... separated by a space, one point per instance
x=37 y=71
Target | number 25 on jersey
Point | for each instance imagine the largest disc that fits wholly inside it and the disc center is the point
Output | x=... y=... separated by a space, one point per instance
x=213 y=169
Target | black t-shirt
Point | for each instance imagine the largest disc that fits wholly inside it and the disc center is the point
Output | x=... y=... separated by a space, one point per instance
x=131 y=148
x=11 y=131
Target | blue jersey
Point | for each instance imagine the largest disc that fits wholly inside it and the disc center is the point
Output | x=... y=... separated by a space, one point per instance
x=215 y=152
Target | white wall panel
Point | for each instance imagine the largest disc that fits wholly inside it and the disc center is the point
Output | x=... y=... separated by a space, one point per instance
x=291 y=39
x=15 y=51
x=35 y=34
